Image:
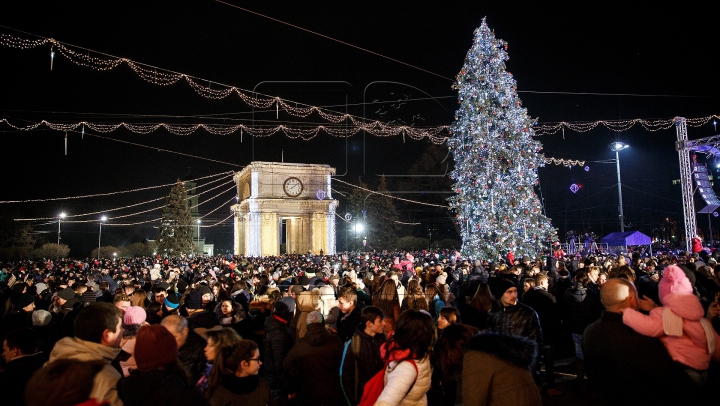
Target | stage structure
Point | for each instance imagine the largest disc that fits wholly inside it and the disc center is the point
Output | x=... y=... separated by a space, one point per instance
x=284 y=208
x=698 y=172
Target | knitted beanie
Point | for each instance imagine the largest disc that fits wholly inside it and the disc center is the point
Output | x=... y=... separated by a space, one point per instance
x=674 y=281
x=88 y=297
x=22 y=300
x=155 y=348
x=66 y=294
x=134 y=315
x=502 y=286
x=172 y=301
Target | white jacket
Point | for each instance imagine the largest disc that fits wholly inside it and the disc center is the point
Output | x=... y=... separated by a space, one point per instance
x=399 y=378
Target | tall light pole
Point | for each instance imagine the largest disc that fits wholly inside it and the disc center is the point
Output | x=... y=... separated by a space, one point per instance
x=102 y=219
x=198 y=240
x=618 y=146
x=60 y=217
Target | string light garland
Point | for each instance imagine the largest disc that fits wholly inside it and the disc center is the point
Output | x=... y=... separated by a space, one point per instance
x=564 y=162
x=619 y=125
x=230 y=173
x=376 y=128
x=163 y=77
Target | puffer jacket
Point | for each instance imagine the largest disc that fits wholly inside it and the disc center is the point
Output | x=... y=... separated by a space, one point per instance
x=695 y=346
x=519 y=320
x=105 y=382
x=401 y=376
x=306 y=303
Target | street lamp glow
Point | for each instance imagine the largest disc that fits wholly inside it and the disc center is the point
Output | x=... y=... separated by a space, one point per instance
x=60 y=217
x=102 y=220
x=359 y=228
x=618 y=146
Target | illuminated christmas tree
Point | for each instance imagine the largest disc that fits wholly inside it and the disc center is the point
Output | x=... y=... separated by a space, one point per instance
x=496 y=159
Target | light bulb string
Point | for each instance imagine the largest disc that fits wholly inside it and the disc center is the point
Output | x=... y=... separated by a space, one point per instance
x=390 y=196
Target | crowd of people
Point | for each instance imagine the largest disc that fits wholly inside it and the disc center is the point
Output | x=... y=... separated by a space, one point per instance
x=390 y=328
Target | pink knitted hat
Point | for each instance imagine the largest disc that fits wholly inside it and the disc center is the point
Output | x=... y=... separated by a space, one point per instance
x=134 y=315
x=674 y=281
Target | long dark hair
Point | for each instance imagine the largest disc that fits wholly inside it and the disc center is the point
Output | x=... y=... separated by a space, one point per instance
x=414 y=331
x=386 y=298
x=483 y=299
x=244 y=351
x=225 y=342
x=452 y=347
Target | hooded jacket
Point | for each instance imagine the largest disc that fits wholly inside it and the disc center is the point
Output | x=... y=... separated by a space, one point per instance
x=316 y=358
x=581 y=307
x=306 y=303
x=496 y=371
x=105 y=382
x=278 y=342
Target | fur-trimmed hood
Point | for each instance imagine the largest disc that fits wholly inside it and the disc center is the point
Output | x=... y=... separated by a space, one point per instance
x=516 y=350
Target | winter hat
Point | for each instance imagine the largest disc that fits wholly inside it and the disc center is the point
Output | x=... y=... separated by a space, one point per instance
x=66 y=294
x=303 y=280
x=314 y=317
x=134 y=315
x=41 y=318
x=674 y=281
x=172 y=301
x=88 y=297
x=441 y=279
x=155 y=347
x=194 y=300
x=182 y=286
x=285 y=308
x=22 y=300
x=205 y=290
x=40 y=288
x=502 y=286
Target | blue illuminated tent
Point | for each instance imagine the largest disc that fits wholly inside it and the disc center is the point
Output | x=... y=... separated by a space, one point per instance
x=618 y=242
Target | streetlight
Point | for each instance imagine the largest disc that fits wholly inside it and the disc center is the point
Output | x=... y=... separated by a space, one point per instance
x=102 y=219
x=618 y=146
x=198 y=240
x=60 y=217
x=358 y=229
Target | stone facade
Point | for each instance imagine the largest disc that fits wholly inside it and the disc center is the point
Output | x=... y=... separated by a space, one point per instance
x=284 y=208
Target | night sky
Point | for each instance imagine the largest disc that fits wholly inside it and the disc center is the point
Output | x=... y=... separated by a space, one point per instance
x=573 y=63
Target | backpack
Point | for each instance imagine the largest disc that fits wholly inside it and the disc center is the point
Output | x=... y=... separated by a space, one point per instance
x=353 y=344
x=376 y=384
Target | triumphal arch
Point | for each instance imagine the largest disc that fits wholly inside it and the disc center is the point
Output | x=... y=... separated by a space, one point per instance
x=284 y=208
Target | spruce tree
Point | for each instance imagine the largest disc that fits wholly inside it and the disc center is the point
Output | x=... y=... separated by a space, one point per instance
x=175 y=236
x=496 y=159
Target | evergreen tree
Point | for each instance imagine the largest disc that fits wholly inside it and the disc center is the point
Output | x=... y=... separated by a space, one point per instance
x=379 y=223
x=175 y=225
x=496 y=159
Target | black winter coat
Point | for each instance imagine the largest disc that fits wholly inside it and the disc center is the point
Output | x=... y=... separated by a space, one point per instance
x=278 y=342
x=192 y=356
x=246 y=391
x=315 y=358
x=641 y=370
x=581 y=308
x=519 y=320
x=548 y=312
x=158 y=387
x=16 y=376
x=368 y=363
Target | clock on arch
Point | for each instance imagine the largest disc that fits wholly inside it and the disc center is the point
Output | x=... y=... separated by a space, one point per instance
x=292 y=186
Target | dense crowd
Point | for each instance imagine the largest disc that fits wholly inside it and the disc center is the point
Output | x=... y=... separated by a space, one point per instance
x=390 y=328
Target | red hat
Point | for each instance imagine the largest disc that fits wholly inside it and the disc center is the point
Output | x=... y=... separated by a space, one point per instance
x=155 y=347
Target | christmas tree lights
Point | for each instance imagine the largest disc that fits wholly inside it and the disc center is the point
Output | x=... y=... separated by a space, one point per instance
x=496 y=159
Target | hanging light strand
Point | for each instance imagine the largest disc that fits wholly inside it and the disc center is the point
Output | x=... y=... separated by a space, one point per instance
x=564 y=162
x=619 y=125
x=376 y=128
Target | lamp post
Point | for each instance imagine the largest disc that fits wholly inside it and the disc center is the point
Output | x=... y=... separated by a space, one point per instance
x=102 y=219
x=618 y=146
x=198 y=240
x=60 y=217
x=358 y=229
